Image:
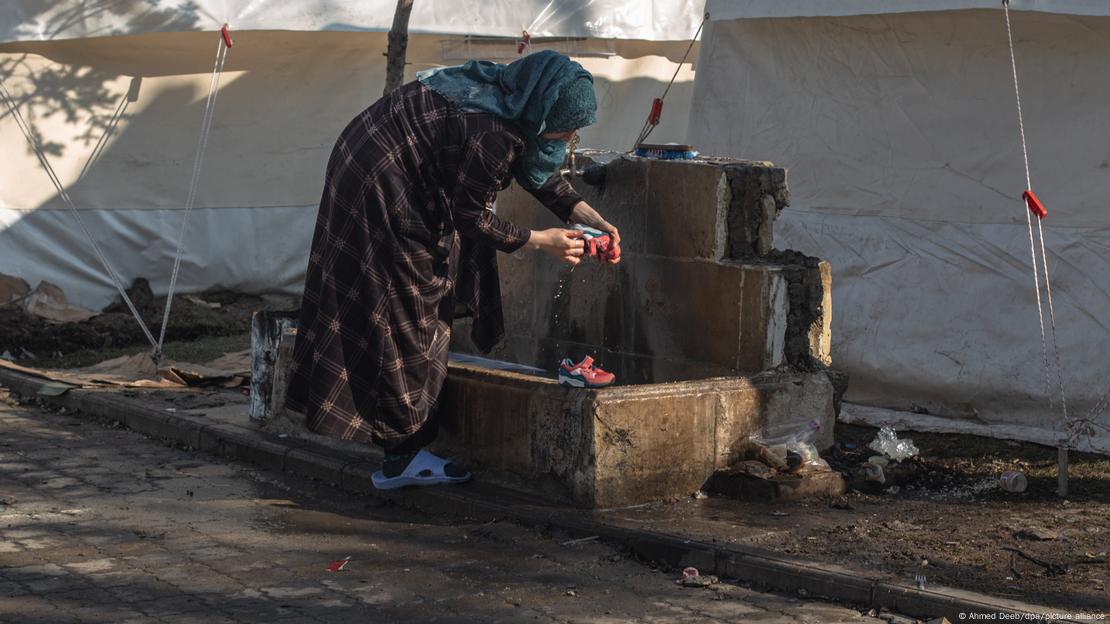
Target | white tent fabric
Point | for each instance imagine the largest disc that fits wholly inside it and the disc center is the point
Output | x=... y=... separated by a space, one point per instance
x=284 y=98
x=901 y=138
x=653 y=20
x=853 y=413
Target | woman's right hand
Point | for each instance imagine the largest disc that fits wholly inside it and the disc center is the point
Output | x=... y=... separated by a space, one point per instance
x=563 y=245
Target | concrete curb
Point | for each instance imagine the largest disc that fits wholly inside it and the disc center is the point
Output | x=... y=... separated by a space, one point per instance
x=764 y=569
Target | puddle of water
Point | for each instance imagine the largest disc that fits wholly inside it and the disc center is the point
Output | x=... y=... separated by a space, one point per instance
x=501 y=365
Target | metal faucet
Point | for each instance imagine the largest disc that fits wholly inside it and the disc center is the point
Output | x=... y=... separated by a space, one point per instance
x=573 y=171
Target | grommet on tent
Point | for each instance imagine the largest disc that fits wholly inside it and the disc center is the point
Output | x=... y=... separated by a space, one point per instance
x=225 y=32
x=1035 y=205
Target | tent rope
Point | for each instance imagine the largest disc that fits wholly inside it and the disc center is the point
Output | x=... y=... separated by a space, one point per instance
x=657 y=105
x=222 y=47
x=110 y=129
x=1071 y=431
x=36 y=146
x=1028 y=217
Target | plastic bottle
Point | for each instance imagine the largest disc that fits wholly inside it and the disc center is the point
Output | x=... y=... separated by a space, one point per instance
x=1013 y=481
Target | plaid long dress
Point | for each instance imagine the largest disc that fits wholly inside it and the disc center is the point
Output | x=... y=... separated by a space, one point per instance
x=407 y=176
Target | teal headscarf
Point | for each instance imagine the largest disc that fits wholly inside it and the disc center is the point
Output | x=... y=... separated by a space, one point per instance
x=542 y=92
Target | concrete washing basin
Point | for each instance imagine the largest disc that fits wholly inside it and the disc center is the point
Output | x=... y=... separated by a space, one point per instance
x=621 y=445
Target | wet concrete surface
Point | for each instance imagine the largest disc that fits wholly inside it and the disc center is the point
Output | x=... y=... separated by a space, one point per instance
x=104 y=525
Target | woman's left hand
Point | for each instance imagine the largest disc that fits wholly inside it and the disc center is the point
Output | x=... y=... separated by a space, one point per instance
x=584 y=214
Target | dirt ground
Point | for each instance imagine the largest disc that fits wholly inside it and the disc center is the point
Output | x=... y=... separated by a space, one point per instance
x=946 y=519
x=202 y=327
x=949 y=510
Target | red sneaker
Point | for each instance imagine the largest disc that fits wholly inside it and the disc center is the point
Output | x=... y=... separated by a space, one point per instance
x=583 y=374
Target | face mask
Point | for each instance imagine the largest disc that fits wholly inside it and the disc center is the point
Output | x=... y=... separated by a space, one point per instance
x=541 y=159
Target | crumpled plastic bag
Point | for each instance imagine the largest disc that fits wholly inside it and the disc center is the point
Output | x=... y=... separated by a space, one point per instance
x=789 y=446
x=887 y=443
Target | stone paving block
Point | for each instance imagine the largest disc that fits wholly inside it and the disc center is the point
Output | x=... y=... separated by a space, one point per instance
x=107 y=478
x=40 y=476
x=261 y=610
x=145 y=589
x=285 y=593
x=119 y=578
x=330 y=603
x=171 y=604
x=37 y=543
x=37 y=571
x=151 y=560
x=209 y=553
x=11 y=589
x=20 y=534
x=182 y=571
x=199 y=618
x=32 y=610
x=274 y=574
x=115 y=541
x=55 y=584
x=352 y=615
x=80 y=491
x=88 y=609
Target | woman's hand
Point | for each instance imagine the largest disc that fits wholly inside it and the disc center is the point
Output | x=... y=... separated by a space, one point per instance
x=563 y=245
x=584 y=214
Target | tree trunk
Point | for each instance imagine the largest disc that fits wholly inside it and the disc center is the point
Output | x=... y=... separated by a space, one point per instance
x=398 y=44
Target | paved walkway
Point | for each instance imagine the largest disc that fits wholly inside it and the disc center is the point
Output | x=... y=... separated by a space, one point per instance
x=103 y=525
